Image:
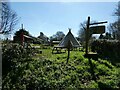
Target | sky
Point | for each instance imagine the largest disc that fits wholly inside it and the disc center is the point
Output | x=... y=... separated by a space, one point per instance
x=50 y=17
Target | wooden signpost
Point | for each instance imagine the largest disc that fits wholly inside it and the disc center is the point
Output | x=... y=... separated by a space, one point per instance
x=88 y=32
x=93 y=30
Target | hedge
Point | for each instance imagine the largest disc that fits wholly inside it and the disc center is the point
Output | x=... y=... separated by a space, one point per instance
x=108 y=49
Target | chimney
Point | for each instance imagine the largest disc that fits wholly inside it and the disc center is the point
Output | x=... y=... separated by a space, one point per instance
x=22 y=26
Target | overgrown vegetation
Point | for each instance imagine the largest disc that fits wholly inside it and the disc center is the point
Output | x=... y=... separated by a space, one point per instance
x=14 y=54
x=25 y=70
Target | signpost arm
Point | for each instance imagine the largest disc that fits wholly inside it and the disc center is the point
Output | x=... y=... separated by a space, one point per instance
x=98 y=23
x=87 y=35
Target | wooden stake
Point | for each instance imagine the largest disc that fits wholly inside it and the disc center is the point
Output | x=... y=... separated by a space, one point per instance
x=68 y=47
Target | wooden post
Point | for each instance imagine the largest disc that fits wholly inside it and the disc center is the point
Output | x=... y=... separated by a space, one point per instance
x=68 y=47
x=68 y=54
x=87 y=35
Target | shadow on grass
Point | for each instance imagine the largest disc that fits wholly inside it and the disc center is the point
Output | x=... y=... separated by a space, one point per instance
x=103 y=86
x=115 y=60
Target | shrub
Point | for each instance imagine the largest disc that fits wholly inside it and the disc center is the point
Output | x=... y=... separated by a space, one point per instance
x=107 y=49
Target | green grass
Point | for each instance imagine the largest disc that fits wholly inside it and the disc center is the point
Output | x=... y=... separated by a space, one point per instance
x=77 y=72
x=47 y=53
x=51 y=71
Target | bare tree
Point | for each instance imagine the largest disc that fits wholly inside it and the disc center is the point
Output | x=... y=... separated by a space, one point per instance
x=81 y=32
x=8 y=18
x=114 y=28
x=58 y=36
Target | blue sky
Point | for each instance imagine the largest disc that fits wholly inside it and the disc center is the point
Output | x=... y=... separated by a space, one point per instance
x=50 y=17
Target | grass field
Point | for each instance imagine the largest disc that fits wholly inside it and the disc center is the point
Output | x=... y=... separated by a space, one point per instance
x=49 y=70
x=47 y=53
x=79 y=68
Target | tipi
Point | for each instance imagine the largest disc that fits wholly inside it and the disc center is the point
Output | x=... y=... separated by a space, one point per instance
x=69 y=39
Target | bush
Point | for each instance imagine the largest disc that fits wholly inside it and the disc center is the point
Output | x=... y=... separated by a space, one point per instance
x=107 y=49
x=12 y=57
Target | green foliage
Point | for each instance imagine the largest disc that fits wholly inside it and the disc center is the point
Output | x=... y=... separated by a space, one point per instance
x=13 y=54
x=106 y=36
x=58 y=36
x=51 y=71
x=107 y=49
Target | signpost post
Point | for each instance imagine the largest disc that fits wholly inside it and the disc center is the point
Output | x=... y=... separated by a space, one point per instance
x=93 y=30
x=87 y=35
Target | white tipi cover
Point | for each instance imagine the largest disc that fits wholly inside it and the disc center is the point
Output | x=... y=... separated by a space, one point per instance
x=69 y=38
